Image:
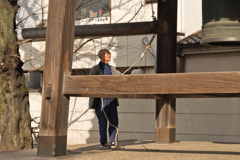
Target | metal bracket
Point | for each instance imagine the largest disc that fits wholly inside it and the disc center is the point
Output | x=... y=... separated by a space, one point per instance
x=48 y=91
x=154 y=26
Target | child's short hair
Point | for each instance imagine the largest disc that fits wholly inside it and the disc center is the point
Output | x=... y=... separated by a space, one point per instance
x=103 y=51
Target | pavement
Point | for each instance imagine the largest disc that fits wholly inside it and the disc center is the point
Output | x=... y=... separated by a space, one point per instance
x=184 y=150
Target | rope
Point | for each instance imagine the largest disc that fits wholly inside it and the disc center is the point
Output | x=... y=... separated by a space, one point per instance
x=153 y=17
x=110 y=122
x=138 y=59
x=134 y=112
x=147 y=47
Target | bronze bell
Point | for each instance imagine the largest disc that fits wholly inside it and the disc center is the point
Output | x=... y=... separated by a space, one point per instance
x=221 y=22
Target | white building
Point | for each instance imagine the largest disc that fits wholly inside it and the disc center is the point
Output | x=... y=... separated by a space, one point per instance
x=139 y=118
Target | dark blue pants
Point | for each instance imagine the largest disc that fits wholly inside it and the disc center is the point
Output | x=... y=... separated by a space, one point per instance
x=110 y=109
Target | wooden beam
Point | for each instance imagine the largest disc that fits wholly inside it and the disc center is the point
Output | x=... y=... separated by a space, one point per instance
x=54 y=115
x=205 y=84
x=166 y=63
x=151 y=1
x=157 y=96
x=165 y=123
x=216 y=95
x=131 y=96
x=101 y=30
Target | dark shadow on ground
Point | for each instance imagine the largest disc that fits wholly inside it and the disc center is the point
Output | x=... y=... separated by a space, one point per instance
x=226 y=142
x=97 y=149
x=184 y=151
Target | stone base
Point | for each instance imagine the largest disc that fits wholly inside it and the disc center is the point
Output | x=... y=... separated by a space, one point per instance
x=52 y=146
x=165 y=135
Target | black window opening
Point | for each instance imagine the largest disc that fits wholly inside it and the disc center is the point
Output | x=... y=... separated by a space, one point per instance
x=91 y=9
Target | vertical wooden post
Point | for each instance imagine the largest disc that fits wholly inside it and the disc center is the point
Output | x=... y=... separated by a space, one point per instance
x=166 y=63
x=58 y=59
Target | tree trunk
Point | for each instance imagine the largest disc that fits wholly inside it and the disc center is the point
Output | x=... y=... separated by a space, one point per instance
x=15 y=121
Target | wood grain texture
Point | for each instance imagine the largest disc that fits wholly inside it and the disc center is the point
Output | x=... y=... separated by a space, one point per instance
x=131 y=96
x=151 y=1
x=179 y=84
x=166 y=63
x=165 y=112
x=102 y=30
x=58 y=59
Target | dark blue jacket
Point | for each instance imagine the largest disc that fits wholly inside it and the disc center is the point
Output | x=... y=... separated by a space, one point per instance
x=96 y=70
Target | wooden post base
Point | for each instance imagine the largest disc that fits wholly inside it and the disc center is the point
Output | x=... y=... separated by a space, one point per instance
x=52 y=146
x=165 y=135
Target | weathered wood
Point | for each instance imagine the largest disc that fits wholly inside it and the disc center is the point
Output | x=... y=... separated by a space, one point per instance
x=207 y=84
x=218 y=95
x=165 y=124
x=157 y=96
x=132 y=96
x=151 y=1
x=166 y=63
x=118 y=29
x=54 y=116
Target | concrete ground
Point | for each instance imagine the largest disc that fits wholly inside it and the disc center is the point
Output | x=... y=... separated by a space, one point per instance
x=140 y=151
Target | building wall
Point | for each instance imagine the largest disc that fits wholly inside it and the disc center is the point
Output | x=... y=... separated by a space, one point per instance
x=209 y=119
x=136 y=117
x=125 y=49
x=191 y=16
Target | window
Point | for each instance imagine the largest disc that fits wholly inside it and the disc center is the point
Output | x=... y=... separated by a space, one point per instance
x=92 y=9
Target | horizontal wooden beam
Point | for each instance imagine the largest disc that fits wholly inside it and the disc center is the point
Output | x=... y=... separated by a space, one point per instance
x=155 y=96
x=151 y=1
x=216 y=95
x=181 y=85
x=103 y=30
x=132 y=96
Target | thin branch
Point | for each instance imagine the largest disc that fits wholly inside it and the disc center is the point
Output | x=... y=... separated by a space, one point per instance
x=80 y=5
x=30 y=15
x=90 y=39
x=87 y=3
x=25 y=41
x=36 y=69
x=128 y=12
x=115 y=22
x=136 y=13
x=34 y=58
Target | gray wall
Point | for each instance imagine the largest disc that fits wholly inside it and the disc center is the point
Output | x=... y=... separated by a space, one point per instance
x=33 y=79
x=209 y=119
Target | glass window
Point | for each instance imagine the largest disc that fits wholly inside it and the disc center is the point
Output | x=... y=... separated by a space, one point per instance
x=92 y=9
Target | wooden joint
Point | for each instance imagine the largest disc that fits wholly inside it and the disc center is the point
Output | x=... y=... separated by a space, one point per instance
x=48 y=91
x=66 y=74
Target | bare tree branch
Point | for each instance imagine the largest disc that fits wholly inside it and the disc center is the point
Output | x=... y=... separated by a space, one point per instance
x=36 y=69
x=129 y=11
x=30 y=15
x=90 y=39
x=136 y=13
x=25 y=41
x=87 y=3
